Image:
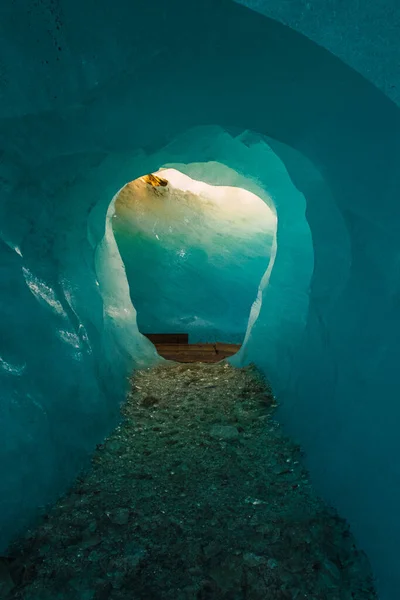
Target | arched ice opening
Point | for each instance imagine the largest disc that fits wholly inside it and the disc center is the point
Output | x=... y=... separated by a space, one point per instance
x=78 y=117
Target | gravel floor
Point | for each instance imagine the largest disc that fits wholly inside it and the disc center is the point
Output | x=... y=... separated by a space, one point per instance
x=197 y=495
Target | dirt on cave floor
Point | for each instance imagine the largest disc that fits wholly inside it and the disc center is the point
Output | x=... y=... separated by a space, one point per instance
x=197 y=495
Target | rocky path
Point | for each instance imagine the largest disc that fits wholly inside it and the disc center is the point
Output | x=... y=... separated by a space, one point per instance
x=196 y=496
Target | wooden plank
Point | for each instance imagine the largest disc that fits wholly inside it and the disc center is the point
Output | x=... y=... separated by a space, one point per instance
x=208 y=353
x=182 y=348
x=188 y=353
x=228 y=349
x=168 y=338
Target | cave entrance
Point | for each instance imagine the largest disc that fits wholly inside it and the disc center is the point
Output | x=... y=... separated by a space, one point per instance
x=194 y=256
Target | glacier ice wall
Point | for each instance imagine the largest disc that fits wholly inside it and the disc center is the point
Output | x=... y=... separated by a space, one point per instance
x=63 y=359
x=364 y=35
x=203 y=250
x=89 y=94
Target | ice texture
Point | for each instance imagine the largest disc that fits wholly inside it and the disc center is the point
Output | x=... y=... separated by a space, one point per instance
x=203 y=251
x=364 y=35
x=94 y=95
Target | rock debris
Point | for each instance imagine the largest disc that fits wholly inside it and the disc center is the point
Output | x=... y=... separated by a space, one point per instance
x=197 y=495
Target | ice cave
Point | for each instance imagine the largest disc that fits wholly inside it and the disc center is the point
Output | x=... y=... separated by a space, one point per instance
x=296 y=103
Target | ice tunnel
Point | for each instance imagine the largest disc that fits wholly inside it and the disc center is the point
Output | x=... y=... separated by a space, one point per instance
x=300 y=105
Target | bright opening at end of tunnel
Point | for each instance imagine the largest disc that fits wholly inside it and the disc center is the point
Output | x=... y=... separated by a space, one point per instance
x=194 y=256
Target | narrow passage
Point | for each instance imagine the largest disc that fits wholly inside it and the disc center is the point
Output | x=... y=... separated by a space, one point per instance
x=197 y=495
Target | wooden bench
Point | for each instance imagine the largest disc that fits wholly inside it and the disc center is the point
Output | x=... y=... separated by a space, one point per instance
x=176 y=347
x=168 y=338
